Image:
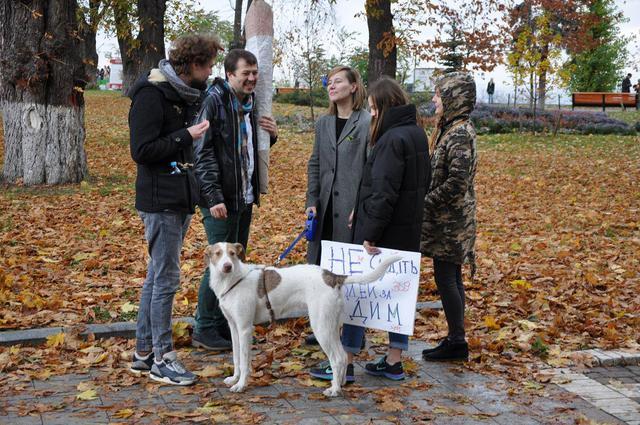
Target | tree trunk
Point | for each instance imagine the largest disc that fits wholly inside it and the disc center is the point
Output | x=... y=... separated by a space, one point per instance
x=89 y=55
x=41 y=92
x=542 y=80
x=144 y=52
x=87 y=32
x=383 y=51
x=237 y=42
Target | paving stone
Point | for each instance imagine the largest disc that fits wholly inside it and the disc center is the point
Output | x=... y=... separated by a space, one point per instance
x=511 y=418
x=83 y=416
x=62 y=384
x=20 y=420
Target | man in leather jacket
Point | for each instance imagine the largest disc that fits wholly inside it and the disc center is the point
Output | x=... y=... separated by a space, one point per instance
x=226 y=166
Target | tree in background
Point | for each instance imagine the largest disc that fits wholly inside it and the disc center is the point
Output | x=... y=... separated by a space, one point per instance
x=535 y=54
x=555 y=26
x=42 y=80
x=308 y=58
x=90 y=16
x=383 y=52
x=139 y=27
x=598 y=68
x=452 y=57
x=471 y=31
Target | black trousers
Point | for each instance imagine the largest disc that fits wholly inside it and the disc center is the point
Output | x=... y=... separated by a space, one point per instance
x=448 y=278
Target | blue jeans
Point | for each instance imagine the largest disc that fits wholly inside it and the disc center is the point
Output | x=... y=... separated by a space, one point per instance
x=352 y=339
x=235 y=228
x=164 y=233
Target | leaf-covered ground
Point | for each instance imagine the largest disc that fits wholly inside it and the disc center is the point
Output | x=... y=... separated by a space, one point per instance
x=558 y=247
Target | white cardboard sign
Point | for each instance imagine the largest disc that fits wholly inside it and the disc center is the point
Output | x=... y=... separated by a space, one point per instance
x=388 y=304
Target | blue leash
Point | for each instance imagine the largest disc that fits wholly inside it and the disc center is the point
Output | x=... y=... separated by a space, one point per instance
x=310 y=227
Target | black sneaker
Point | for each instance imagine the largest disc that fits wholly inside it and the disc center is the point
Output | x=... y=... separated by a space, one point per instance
x=447 y=350
x=312 y=340
x=141 y=365
x=210 y=339
x=394 y=372
x=323 y=371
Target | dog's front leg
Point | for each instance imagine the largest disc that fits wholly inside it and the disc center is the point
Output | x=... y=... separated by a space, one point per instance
x=231 y=380
x=245 y=332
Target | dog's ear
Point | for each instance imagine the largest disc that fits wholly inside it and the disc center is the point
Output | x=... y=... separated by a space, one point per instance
x=240 y=251
x=208 y=253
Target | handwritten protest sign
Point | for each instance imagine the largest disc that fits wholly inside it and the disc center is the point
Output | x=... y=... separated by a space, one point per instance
x=388 y=304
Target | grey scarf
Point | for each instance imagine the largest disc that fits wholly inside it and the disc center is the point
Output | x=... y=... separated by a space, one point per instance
x=188 y=94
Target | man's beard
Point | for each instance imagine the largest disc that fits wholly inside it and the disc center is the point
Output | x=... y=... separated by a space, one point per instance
x=198 y=84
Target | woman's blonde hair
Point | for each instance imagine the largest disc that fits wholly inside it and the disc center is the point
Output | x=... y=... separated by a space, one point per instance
x=385 y=93
x=358 y=97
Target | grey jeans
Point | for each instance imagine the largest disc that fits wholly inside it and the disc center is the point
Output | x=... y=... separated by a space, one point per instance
x=164 y=233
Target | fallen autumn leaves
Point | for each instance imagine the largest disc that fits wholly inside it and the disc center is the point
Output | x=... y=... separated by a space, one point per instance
x=558 y=243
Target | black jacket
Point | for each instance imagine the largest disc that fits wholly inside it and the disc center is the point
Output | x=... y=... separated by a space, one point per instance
x=626 y=85
x=158 y=121
x=218 y=165
x=394 y=183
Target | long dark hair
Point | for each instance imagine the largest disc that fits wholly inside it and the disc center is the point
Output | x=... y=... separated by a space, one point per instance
x=385 y=93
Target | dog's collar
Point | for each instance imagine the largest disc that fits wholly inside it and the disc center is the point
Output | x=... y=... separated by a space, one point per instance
x=239 y=280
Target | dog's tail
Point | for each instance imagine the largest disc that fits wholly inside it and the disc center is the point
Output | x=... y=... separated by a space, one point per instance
x=376 y=274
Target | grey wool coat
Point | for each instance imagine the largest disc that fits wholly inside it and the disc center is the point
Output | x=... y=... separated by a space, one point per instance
x=335 y=168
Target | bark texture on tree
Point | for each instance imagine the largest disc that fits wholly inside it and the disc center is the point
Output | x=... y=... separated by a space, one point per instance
x=87 y=29
x=238 y=42
x=42 y=78
x=143 y=52
x=382 y=48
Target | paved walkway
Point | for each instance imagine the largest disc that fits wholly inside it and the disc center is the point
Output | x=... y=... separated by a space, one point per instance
x=436 y=393
x=615 y=390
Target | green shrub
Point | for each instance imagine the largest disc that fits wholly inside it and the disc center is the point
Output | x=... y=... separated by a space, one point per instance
x=320 y=98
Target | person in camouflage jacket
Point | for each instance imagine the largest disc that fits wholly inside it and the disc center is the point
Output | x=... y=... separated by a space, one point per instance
x=449 y=223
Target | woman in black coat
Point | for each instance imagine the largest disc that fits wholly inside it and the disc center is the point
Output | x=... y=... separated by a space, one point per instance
x=390 y=203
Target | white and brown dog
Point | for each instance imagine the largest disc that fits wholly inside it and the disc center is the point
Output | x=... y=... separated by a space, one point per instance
x=251 y=294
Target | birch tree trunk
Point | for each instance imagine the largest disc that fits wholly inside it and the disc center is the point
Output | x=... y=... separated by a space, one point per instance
x=41 y=92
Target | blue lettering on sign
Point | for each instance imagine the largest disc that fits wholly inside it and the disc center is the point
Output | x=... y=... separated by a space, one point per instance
x=395 y=313
x=374 y=308
x=386 y=294
x=353 y=270
x=350 y=292
x=363 y=291
x=339 y=260
x=372 y=291
x=357 y=312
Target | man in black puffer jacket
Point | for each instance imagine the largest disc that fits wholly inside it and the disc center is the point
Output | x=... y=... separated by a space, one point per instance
x=227 y=168
x=163 y=103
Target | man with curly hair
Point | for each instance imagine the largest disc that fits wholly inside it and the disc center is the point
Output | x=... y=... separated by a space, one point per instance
x=163 y=104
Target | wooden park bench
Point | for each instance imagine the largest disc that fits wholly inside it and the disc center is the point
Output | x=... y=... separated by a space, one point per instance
x=604 y=99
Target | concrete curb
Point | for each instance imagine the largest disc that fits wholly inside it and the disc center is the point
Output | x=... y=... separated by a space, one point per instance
x=612 y=357
x=121 y=329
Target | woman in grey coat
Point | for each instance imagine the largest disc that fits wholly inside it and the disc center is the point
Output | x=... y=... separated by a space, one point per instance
x=337 y=160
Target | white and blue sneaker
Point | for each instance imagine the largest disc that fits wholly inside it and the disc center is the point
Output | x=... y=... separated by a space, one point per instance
x=171 y=371
x=141 y=364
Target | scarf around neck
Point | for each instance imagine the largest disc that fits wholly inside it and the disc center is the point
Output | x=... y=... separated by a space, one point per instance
x=188 y=94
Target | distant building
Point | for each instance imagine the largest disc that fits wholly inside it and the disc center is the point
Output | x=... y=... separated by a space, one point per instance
x=423 y=79
x=115 y=77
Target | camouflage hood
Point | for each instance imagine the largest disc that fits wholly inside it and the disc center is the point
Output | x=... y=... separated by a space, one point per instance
x=458 y=94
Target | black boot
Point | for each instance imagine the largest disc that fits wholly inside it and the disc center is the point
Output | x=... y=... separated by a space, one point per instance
x=210 y=339
x=447 y=350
